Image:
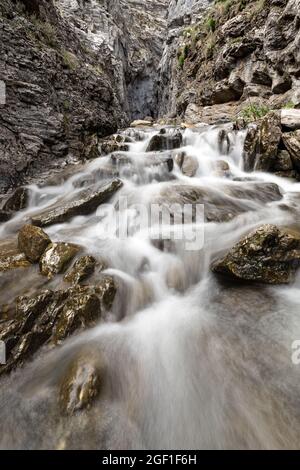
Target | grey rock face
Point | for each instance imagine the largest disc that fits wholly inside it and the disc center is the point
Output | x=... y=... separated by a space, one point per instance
x=73 y=70
x=181 y=14
x=232 y=54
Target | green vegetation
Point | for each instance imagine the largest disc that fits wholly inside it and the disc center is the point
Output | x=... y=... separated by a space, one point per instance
x=289 y=105
x=69 y=60
x=254 y=111
x=211 y=24
x=182 y=55
x=209 y=46
x=46 y=30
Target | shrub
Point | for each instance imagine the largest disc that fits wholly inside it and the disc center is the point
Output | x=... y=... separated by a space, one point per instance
x=289 y=105
x=69 y=60
x=254 y=112
x=211 y=24
x=46 y=30
x=183 y=53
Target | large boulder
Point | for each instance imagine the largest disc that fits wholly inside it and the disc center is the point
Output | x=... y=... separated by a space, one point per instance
x=290 y=119
x=33 y=241
x=164 y=141
x=268 y=255
x=292 y=143
x=57 y=257
x=261 y=143
x=18 y=200
x=219 y=206
x=85 y=202
x=80 y=386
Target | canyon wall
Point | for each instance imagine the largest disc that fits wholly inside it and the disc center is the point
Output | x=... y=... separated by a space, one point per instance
x=74 y=70
x=241 y=53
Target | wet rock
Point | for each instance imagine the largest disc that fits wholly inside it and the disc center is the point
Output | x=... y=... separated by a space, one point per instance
x=219 y=206
x=106 y=289
x=267 y=255
x=222 y=168
x=82 y=269
x=57 y=257
x=255 y=191
x=292 y=143
x=5 y=216
x=11 y=257
x=110 y=146
x=224 y=142
x=18 y=200
x=80 y=387
x=261 y=143
x=165 y=142
x=48 y=317
x=283 y=161
x=33 y=241
x=188 y=165
x=85 y=202
x=290 y=119
x=81 y=310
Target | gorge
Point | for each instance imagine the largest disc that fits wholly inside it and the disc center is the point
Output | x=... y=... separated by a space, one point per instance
x=137 y=341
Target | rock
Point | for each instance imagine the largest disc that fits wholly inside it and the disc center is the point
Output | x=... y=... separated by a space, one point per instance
x=224 y=142
x=234 y=200
x=32 y=241
x=110 y=146
x=165 y=142
x=188 y=165
x=18 y=200
x=267 y=255
x=81 y=310
x=81 y=270
x=281 y=84
x=283 y=161
x=290 y=119
x=292 y=143
x=85 y=202
x=261 y=143
x=80 y=387
x=235 y=27
x=222 y=169
x=106 y=290
x=141 y=123
x=49 y=316
x=11 y=257
x=5 y=216
x=57 y=257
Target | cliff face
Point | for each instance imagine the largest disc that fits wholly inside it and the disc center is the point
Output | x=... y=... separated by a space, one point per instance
x=240 y=52
x=182 y=14
x=130 y=35
x=74 y=71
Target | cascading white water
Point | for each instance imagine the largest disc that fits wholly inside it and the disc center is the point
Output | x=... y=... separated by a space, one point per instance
x=190 y=362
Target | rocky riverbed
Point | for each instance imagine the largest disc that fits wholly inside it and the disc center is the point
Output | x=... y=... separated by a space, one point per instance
x=124 y=329
x=96 y=324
